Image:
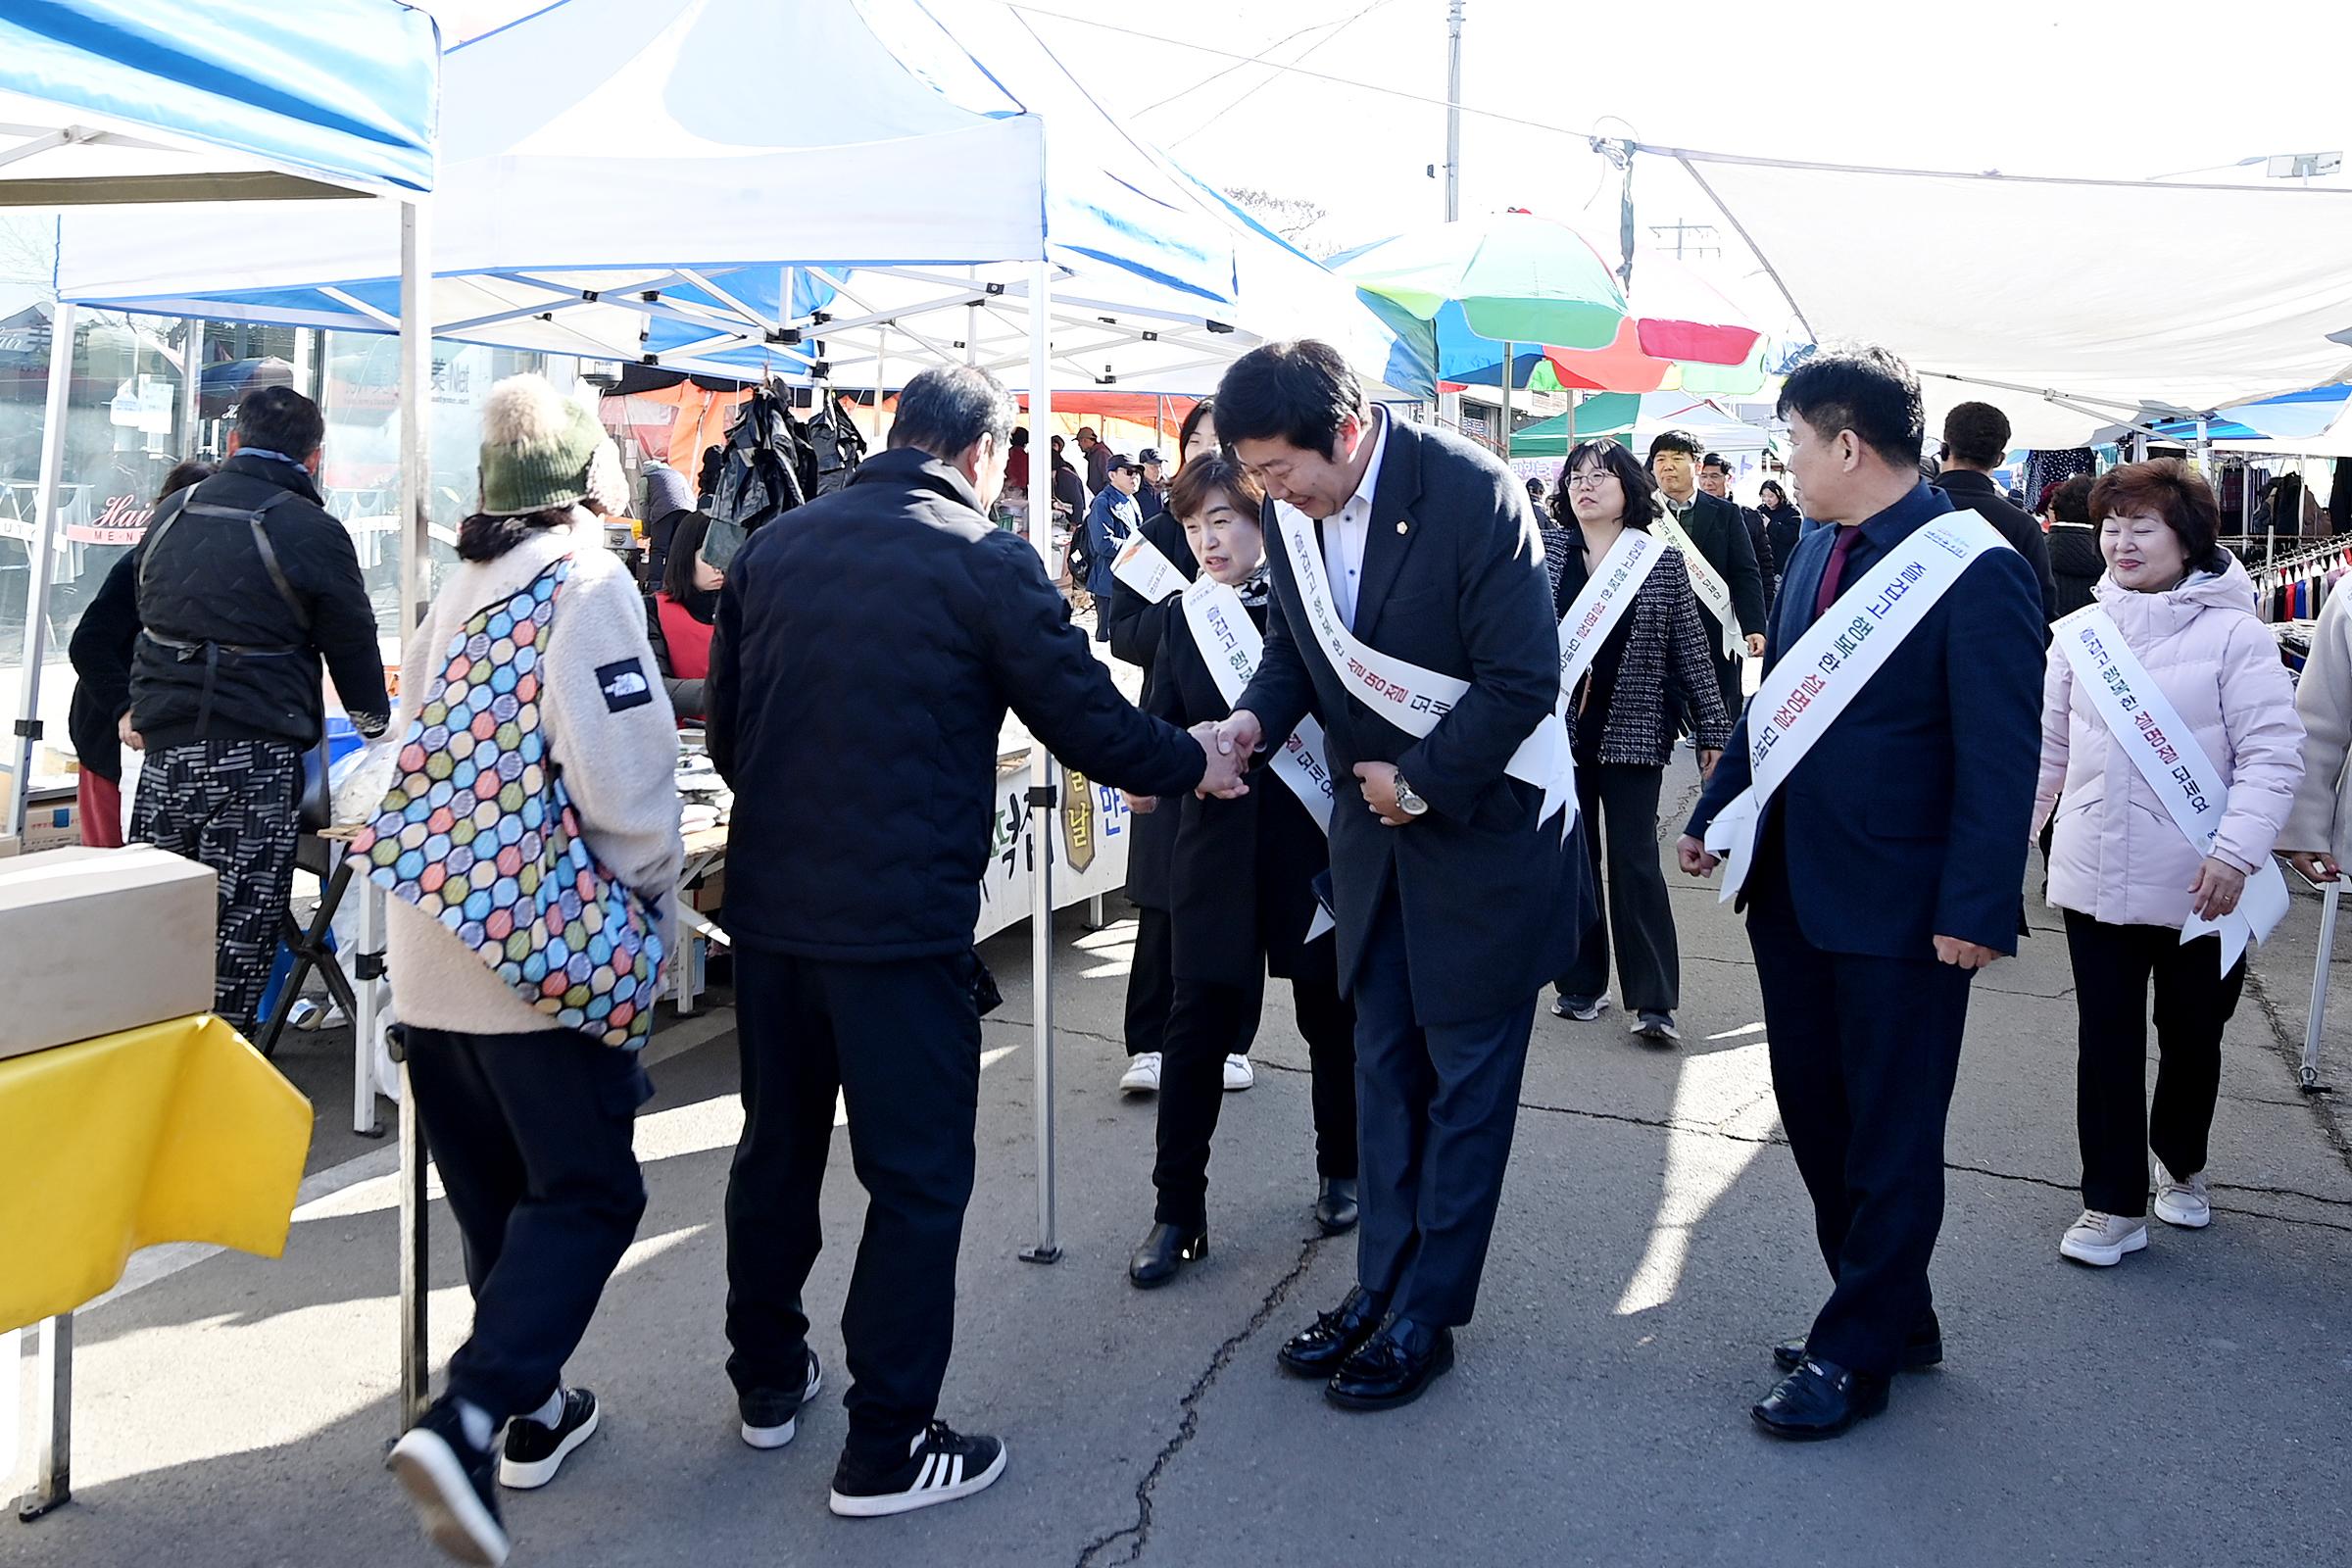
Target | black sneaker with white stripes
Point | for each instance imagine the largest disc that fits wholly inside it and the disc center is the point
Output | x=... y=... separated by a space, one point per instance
x=771 y=1416
x=941 y=1466
x=448 y=1479
x=535 y=1452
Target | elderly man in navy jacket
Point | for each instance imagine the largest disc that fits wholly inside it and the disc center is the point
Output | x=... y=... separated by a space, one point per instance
x=864 y=660
x=1887 y=872
x=1456 y=895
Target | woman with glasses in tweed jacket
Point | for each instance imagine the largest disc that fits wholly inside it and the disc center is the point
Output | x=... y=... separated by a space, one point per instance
x=1622 y=717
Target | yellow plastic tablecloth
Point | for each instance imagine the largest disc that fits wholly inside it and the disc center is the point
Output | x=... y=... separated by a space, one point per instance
x=177 y=1131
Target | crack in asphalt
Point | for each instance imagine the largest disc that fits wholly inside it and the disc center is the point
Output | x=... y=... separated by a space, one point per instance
x=1138 y=1534
x=1705 y=1130
x=2290 y=1047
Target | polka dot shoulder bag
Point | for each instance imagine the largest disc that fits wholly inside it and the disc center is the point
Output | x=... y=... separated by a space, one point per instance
x=479 y=832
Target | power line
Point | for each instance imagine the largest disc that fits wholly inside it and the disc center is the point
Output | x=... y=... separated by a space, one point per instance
x=1248 y=92
x=1226 y=71
x=1299 y=71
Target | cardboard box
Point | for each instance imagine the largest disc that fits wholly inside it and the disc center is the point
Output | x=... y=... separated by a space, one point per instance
x=97 y=941
x=51 y=822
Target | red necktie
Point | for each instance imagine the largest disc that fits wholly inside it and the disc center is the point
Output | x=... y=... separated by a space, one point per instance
x=1834 y=577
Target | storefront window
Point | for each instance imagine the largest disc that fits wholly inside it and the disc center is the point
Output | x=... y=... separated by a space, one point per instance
x=132 y=416
x=360 y=474
x=128 y=423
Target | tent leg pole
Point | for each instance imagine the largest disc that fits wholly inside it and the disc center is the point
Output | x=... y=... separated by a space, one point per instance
x=1041 y=948
x=2310 y=1073
x=416 y=394
x=415 y=545
x=1041 y=777
x=43 y=573
x=191 y=406
x=52 y=1417
x=416 y=1365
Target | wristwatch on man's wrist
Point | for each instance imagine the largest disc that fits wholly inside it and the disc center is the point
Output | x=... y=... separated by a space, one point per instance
x=1411 y=803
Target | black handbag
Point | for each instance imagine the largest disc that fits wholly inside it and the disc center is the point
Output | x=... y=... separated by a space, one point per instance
x=318 y=811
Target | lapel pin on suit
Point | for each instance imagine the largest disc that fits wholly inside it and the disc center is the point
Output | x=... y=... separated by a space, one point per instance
x=1403 y=525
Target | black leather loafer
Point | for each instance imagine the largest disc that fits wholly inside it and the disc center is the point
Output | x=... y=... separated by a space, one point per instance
x=1166 y=1249
x=1819 y=1399
x=1923 y=1349
x=1335 y=1205
x=1395 y=1367
x=1318 y=1352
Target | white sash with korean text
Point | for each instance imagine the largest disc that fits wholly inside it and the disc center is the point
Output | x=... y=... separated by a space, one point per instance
x=1231 y=646
x=1405 y=694
x=1601 y=603
x=2151 y=732
x=1817 y=678
x=1712 y=589
x=1141 y=567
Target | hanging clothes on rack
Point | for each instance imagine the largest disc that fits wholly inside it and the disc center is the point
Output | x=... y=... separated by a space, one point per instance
x=2295 y=584
x=2048 y=468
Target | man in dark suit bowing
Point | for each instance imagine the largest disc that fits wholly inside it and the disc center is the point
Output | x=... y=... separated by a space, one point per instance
x=1723 y=546
x=1410 y=579
x=1886 y=860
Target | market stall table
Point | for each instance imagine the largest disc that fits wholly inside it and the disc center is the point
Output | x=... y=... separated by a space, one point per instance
x=172 y=1132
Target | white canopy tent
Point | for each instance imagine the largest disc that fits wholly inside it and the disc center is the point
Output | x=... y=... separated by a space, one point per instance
x=609 y=190
x=2078 y=306
x=893 y=183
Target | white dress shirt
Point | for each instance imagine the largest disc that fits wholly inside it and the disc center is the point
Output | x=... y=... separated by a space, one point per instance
x=1345 y=534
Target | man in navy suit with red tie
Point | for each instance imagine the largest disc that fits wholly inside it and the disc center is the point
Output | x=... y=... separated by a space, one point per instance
x=1887 y=871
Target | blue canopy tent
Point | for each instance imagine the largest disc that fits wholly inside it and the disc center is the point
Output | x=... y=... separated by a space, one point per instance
x=114 y=102
x=111 y=102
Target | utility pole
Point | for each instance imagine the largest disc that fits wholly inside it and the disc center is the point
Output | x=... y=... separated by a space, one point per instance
x=1694 y=231
x=1453 y=110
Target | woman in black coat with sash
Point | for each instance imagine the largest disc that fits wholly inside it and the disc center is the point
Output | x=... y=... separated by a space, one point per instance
x=1242 y=899
x=1654 y=665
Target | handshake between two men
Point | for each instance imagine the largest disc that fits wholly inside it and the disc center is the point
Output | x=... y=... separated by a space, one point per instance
x=1229 y=744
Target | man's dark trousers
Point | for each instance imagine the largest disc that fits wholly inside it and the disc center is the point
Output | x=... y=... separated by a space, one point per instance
x=1435 y=1109
x=1864 y=1053
x=532 y=1133
x=900 y=1042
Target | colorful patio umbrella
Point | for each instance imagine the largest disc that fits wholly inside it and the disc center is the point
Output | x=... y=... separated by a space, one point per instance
x=1517 y=278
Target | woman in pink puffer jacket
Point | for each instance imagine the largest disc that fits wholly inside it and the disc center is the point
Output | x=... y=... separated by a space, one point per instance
x=2124 y=874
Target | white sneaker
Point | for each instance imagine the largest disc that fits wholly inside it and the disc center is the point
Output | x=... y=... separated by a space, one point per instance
x=2183 y=1201
x=1238 y=1074
x=2102 y=1239
x=1142 y=1074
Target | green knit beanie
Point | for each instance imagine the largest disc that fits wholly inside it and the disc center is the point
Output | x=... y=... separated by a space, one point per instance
x=537 y=447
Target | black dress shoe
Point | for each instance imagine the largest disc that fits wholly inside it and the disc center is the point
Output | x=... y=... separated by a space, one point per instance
x=1394 y=1366
x=1166 y=1249
x=1923 y=1349
x=1335 y=1205
x=1819 y=1399
x=1336 y=1334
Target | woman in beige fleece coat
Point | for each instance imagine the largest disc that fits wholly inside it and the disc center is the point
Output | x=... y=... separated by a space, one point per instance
x=530 y=1122
x=2318 y=835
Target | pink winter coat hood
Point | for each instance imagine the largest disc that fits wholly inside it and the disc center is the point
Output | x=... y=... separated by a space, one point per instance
x=2117 y=854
